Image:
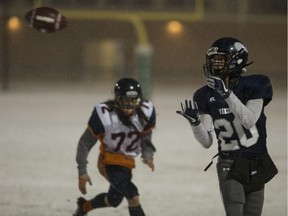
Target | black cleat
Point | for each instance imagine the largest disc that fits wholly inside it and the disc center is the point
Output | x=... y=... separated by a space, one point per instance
x=79 y=211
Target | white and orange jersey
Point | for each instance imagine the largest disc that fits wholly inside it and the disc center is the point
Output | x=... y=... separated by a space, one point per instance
x=114 y=136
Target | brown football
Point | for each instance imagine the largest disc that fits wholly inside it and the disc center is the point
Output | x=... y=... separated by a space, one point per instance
x=46 y=19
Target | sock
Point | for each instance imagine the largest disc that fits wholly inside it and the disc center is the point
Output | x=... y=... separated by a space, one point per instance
x=87 y=206
x=136 y=211
x=98 y=201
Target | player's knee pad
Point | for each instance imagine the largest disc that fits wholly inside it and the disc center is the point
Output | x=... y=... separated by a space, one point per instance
x=114 y=200
x=127 y=189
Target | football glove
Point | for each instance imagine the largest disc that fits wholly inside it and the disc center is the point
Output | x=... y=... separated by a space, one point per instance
x=149 y=163
x=148 y=150
x=218 y=85
x=190 y=112
x=83 y=179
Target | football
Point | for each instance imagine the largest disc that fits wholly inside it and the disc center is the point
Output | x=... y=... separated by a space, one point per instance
x=46 y=19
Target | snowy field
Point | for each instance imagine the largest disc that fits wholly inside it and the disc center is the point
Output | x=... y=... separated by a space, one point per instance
x=40 y=127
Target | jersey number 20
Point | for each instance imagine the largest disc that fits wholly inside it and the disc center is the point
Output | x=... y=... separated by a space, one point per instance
x=228 y=129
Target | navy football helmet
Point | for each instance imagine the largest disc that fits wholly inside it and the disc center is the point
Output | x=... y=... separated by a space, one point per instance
x=227 y=57
x=128 y=95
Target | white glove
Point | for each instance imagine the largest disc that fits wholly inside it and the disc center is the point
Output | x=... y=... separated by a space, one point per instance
x=218 y=85
x=83 y=179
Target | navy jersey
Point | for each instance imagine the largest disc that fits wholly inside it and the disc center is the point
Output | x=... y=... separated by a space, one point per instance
x=233 y=138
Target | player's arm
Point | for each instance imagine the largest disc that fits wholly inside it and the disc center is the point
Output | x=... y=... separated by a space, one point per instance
x=88 y=140
x=201 y=125
x=147 y=146
x=85 y=144
x=247 y=114
x=203 y=131
x=148 y=149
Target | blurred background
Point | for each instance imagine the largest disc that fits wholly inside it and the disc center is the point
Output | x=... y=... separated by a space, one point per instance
x=49 y=84
x=156 y=41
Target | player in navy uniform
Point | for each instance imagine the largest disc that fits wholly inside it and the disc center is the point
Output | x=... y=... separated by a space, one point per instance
x=123 y=127
x=232 y=105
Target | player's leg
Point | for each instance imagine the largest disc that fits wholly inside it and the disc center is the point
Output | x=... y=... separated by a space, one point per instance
x=114 y=197
x=135 y=208
x=84 y=206
x=233 y=197
x=254 y=203
x=120 y=179
x=232 y=191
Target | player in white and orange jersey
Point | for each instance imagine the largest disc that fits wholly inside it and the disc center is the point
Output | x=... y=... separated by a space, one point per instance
x=123 y=126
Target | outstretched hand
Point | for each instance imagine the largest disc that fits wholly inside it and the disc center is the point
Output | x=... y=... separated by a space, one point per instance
x=190 y=112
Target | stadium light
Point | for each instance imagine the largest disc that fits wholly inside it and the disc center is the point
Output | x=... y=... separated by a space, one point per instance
x=174 y=27
x=14 y=23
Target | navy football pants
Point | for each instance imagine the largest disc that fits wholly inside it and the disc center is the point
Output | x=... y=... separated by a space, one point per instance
x=238 y=200
x=120 y=184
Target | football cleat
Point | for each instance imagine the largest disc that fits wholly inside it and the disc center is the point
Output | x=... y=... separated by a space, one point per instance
x=79 y=211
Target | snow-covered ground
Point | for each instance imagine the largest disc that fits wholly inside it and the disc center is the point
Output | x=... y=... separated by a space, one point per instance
x=40 y=127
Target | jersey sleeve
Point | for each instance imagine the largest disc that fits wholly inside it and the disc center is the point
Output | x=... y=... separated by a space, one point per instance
x=262 y=88
x=152 y=120
x=85 y=144
x=95 y=123
x=150 y=112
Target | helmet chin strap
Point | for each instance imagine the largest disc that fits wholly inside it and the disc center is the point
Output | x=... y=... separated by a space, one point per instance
x=248 y=64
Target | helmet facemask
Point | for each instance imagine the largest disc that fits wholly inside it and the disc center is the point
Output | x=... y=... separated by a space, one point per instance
x=217 y=65
x=228 y=64
x=221 y=65
x=128 y=96
x=127 y=105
